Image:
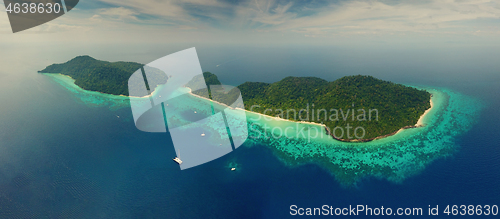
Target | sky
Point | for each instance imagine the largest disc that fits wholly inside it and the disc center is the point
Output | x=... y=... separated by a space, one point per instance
x=268 y=22
x=352 y=37
x=429 y=41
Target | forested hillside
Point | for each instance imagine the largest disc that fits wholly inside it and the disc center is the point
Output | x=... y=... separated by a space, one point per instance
x=95 y=75
x=397 y=105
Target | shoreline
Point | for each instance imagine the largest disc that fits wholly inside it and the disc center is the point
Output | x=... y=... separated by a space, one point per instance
x=419 y=123
x=327 y=130
x=260 y=114
x=121 y=95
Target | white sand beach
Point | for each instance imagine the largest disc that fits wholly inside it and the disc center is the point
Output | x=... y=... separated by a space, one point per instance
x=271 y=117
x=420 y=121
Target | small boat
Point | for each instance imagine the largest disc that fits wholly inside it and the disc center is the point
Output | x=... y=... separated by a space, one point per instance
x=178 y=160
x=233 y=169
x=194 y=111
x=203 y=134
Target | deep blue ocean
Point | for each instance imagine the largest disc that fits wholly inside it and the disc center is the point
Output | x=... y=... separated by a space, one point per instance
x=63 y=158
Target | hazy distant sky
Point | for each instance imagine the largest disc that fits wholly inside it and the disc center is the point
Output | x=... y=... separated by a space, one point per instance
x=425 y=41
x=263 y=21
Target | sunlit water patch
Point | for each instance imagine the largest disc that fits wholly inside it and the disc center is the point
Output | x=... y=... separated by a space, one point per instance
x=393 y=158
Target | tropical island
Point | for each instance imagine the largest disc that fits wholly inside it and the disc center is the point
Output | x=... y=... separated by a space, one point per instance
x=379 y=108
x=367 y=107
x=101 y=76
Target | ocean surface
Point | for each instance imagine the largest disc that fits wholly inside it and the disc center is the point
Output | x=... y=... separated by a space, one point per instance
x=69 y=153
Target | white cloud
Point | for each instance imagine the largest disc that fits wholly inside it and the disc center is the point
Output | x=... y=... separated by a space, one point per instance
x=272 y=15
x=202 y=2
x=96 y=18
x=55 y=27
x=369 y=16
x=167 y=9
x=120 y=13
x=357 y=16
x=215 y=20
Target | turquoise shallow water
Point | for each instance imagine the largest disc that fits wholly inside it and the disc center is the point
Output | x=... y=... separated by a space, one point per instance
x=394 y=158
x=90 y=98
